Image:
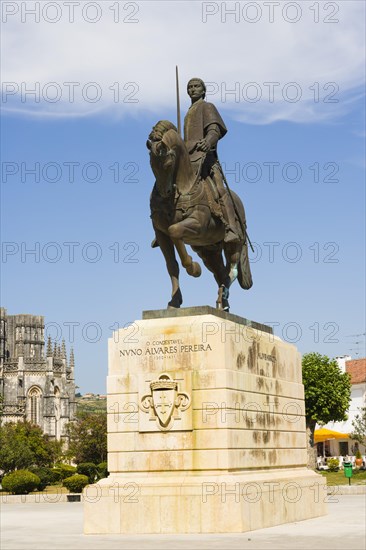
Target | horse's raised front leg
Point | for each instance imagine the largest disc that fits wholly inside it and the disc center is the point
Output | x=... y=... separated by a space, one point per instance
x=167 y=248
x=192 y=268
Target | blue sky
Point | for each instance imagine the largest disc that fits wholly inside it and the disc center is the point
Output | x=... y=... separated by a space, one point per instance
x=307 y=221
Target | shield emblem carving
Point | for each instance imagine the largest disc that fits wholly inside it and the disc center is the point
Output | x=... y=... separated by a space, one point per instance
x=163 y=393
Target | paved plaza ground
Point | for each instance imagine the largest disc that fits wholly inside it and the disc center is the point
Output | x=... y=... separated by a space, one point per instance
x=58 y=526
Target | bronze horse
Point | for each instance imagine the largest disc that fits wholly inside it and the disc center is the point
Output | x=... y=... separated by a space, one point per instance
x=184 y=211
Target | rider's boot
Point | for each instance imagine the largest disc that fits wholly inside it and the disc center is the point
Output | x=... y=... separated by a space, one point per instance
x=231 y=232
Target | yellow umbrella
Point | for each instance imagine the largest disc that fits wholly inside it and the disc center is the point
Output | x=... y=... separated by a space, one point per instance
x=323 y=434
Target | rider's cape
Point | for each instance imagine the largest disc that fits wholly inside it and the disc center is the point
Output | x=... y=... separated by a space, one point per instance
x=199 y=116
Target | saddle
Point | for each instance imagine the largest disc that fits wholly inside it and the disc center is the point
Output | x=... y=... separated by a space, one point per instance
x=205 y=194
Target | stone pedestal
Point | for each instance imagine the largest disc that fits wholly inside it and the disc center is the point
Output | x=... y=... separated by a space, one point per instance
x=206 y=429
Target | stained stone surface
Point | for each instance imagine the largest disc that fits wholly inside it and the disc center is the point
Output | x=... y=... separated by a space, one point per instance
x=206 y=430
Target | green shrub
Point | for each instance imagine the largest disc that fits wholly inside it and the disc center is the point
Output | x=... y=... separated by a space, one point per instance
x=62 y=471
x=45 y=475
x=20 y=482
x=76 y=483
x=56 y=476
x=87 y=469
x=333 y=464
x=102 y=470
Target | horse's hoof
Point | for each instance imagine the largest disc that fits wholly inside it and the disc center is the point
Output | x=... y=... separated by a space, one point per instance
x=194 y=269
x=225 y=304
x=176 y=300
x=222 y=301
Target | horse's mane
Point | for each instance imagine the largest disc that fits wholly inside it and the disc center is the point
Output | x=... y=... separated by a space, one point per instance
x=183 y=174
x=171 y=138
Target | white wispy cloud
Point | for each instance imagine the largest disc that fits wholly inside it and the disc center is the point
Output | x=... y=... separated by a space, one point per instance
x=137 y=59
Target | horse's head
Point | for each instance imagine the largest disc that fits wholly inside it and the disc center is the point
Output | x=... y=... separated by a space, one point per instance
x=160 y=149
x=170 y=160
x=163 y=155
x=160 y=128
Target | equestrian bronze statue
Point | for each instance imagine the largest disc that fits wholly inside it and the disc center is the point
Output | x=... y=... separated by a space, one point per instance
x=191 y=203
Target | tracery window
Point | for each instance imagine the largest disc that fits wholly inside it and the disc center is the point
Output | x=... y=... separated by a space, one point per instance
x=34 y=395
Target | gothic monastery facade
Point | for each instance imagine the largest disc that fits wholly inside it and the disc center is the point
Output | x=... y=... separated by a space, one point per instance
x=35 y=384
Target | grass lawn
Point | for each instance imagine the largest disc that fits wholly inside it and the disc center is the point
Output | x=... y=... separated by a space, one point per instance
x=338 y=478
x=55 y=489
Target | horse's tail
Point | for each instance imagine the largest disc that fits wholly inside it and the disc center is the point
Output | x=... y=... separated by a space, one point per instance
x=244 y=273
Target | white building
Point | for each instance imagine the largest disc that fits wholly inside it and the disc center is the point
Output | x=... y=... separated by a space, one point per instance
x=333 y=447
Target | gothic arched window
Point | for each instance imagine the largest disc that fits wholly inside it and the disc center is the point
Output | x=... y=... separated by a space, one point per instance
x=57 y=404
x=34 y=398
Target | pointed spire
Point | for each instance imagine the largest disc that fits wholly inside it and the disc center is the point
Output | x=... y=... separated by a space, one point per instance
x=55 y=349
x=58 y=351
x=72 y=359
x=49 y=347
x=63 y=349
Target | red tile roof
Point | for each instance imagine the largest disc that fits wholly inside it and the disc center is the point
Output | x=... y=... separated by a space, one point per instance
x=357 y=369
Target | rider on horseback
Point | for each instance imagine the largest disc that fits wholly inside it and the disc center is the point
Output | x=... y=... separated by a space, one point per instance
x=191 y=203
x=203 y=127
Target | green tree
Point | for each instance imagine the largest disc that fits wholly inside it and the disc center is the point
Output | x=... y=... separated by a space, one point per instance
x=88 y=438
x=327 y=395
x=359 y=427
x=23 y=445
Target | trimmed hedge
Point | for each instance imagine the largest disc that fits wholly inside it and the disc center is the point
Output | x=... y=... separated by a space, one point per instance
x=103 y=470
x=62 y=471
x=20 y=482
x=76 y=483
x=87 y=469
x=333 y=464
x=45 y=475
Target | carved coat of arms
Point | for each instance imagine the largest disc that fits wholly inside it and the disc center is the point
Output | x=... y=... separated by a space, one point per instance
x=165 y=401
